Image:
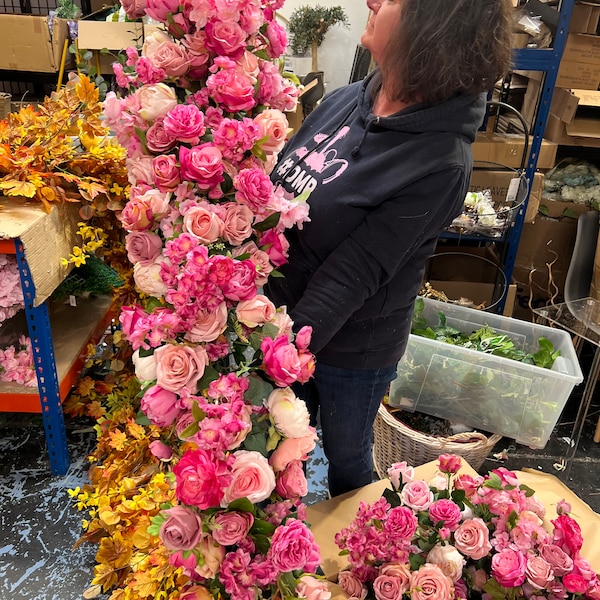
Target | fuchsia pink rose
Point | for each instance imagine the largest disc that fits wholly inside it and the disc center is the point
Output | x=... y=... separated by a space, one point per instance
x=241 y=284
x=508 y=567
x=293 y=547
x=182 y=530
x=275 y=245
x=202 y=164
x=281 y=361
x=179 y=366
x=160 y=406
x=446 y=511
x=232 y=90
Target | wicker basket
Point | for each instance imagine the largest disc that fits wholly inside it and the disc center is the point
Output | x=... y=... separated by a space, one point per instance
x=5 y=99
x=394 y=441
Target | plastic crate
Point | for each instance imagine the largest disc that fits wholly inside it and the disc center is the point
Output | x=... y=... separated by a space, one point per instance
x=487 y=392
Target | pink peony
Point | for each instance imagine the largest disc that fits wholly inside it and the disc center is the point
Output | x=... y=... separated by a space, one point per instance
x=448 y=559
x=293 y=547
x=179 y=366
x=185 y=123
x=401 y=524
x=430 y=583
x=147 y=277
x=472 y=538
x=201 y=479
x=508 y=568
x=251 y=477
x=182 y=530
x=567 y=534
x=291 y=483
x=241 y=284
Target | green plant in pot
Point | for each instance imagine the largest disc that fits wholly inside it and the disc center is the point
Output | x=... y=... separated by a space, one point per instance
x=308 y=25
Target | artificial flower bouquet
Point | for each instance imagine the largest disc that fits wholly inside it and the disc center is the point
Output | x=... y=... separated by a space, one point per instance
x=462 y=536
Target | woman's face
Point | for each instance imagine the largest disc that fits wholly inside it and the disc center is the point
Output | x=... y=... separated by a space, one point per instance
x=384 y=18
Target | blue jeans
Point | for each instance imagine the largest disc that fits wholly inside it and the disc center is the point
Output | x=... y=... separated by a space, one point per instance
x=347 y=400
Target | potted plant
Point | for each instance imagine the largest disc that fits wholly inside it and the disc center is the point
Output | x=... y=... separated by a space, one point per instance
x=308 y=25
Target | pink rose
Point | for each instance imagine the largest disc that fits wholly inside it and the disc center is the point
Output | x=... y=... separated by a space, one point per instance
x=277 y=39
x=254 y=188
x=147 y=277
x=291 y=483
x=351 y=584
x=139 y=170
x=230 y=528
x=248 y=63
x=233 y=91
x=156 y=100
x=508 y=568
x=430 y=583
x=135 y=9
x=288 y=413
x=157 y=201
x=311 y=588
x=202 y=164
x=182 y=530
x=397 y=570
x=255 y=312
x=281 y=360
x=273 y=125
x=158 y=140
x=538 y=572
x=179 y=366
x=142 y=246
x=195 y=592
x=185 y=123
x=387 y=587
x=292 y=449
x=446 y=511
x=209 y=325
x=303 y=337
x=137 y=215
x=161 y=450
x=449 y=463
x=203 y=224
x=259 y=258
x=276 y=246
x=416 y=495
x=200 y=479
x=172 y=58
x=225 y=38
x=293 y=547
x=567 y=534
x=575 y=583
x=166 y=172
x=467 y=483
x=401 y=523
x=583 y=568
x=401 y=473
x=160 y=9
x=213 y=554
x=160 y=406
x=557 y=558
x=241 y=284
x=472 y=538
x=252 y=478
x=237 y=225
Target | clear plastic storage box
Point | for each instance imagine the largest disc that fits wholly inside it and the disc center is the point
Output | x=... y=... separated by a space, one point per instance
x=490 y=393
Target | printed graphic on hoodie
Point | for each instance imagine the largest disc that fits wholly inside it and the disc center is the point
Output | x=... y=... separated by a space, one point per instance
x=302 y=171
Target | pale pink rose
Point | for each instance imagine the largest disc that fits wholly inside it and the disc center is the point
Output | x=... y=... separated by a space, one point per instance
x=563 y=507
x=448 y=559
x=252 y=478
x=172 y=58
x=472 y=538
x=273 y=125
x=449 y=463
x=156 y=100
x=439 y=481
x=182 y=530
x=292 y=449
x=139 y=170
x=534 y=505
x=195 y=592
x=241 y=284
x=538 y=572
x=237 y=225
x=399 y=571
x=203 y=224
x=179 y=366
x=293 y=547
x=283 y=322
x=508 y=567
x=230 y=528
x=248 y=63
x=430 y=583
x=160 y=406
x=142 y=246
x=161 y=450
x=401 y=473
x=202 y=164
x=185 y=123
x=416 y=495
x=255 y=312
x=311 y=588
x=145 y=366
x=288 y=413
x=281 y=361
x=153 y=40
x=291 y=483
x=157 y=201
x=209 y=325
x=387 y=587
x=260 y=260
x=351 y=584
x=147 y=277
x=166 y=172
x=213 y=554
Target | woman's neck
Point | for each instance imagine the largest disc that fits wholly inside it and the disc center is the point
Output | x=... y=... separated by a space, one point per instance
x=384 y=107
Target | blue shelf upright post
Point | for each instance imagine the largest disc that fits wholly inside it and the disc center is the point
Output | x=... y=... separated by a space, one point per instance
x=38 y=324
x=547 y=61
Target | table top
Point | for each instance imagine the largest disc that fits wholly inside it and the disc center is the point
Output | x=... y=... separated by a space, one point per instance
x=580 y=317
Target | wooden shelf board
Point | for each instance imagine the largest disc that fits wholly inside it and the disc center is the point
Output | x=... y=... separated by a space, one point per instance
x=72 y=328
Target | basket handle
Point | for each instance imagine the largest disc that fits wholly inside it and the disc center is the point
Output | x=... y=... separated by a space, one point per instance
x=466 y=437
x=523 y=125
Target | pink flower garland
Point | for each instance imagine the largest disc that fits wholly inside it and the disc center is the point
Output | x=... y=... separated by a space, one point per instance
x=11 y=293
x=16 y=363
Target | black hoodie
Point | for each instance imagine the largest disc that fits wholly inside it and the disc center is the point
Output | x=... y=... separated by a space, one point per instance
x=382 y=189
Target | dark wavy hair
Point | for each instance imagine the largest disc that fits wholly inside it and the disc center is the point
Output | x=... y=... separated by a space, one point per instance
x=447 y=47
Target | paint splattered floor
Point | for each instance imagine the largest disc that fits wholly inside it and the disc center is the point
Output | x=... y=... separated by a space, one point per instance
x=39 y=524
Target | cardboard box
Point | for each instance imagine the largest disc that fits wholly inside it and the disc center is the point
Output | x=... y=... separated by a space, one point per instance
x=582 y=48
x=498 y=182
x=480 y=293
x=28 y=44
x=558 y=209
x=584 y=18
x=506 y=149
x=585 y=133
x=581 y=75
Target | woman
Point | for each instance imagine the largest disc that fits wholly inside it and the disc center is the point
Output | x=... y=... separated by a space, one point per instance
x=387 y=161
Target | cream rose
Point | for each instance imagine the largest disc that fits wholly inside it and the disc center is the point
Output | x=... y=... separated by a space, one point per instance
x=156 y=100
x=257 y=311
x=252 y=478
x=145 y=366
x=147 y=277
x=448 y=559
x=289 y=413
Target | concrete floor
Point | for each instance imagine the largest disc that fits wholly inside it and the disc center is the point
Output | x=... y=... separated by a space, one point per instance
x=39 y=524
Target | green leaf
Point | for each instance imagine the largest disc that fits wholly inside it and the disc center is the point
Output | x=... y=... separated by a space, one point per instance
x=258 y=390
x=142 y=419
x=143 y=352
x=392 y=497
x=270 y=222
x=495 y=590
x=416 y=561
x=262 y=543
x=256 y=442
x=528 y=491
x=242 y=505
x=156 y=522
x=141 y=134
x=190 y=430
x=197 y=412
x=262 y=527
x=210 y=375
